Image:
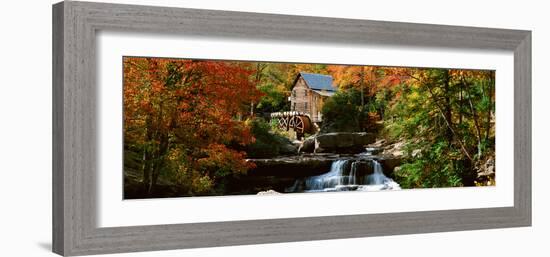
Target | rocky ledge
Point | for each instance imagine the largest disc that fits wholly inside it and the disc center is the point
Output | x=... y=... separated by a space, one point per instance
x=306 y=165
x=337 y=142
x=293 y=166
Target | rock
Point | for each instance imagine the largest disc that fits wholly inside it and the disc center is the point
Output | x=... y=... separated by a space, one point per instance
x=297 y=143
x=340 y=188
x=363 y=167
x=269 y=192
x=378 y=143
x=416 y=152
x=373 y=150
x=250 y=184
x=288 y=149
x=389 y=163
x=397 y=169
x=395 y=149
x=308 y=145
x=487 y=169
x=343 y=142
x=294 y=166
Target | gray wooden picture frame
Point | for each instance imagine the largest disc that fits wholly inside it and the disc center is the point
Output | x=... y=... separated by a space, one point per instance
x=75 y=25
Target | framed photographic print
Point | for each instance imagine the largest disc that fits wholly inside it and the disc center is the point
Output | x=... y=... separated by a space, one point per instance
x=183 y=128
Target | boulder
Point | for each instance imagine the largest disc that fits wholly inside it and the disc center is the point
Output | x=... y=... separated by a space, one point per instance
x=288 y=149
x=395 y=149
x=268 y=192
x=308 y=145
x=294 y=167
x=343 y=142
x=487 y=169
x=389 y=163
x=373 y=150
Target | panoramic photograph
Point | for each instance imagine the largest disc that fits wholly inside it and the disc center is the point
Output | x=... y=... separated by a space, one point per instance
x=197 y=127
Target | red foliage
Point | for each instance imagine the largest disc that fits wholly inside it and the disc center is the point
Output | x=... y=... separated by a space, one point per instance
x=191 y=105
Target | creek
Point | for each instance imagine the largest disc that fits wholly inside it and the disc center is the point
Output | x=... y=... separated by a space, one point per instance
x=362 y=173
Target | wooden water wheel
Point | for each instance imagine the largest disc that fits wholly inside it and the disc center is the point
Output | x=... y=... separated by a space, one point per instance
x=301 y=124
x=291 y=121
x=283 y=123
x=298 y=121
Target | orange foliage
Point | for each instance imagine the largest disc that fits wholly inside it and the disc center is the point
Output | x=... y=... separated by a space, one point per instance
x=192 y=105
x=372 y=78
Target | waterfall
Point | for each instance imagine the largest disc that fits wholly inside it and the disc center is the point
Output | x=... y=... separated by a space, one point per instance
x=352 y=174
x=377 y=177
x=377 y=180
x=343 y=176
x=330 y=180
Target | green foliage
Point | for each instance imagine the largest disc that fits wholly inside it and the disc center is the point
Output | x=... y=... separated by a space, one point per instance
x=433 y=168
x=445 y=118
x=189 y=180
x=274 y=98
x=343 y=112
x=268 y=142
x=380 y=102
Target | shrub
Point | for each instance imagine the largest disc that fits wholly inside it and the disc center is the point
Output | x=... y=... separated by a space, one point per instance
x=343 y=112
x=268 y=143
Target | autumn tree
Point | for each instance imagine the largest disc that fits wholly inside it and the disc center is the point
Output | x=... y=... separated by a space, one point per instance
x=373 y=83
x=180 y=118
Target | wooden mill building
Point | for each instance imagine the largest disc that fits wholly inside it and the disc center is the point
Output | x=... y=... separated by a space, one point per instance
x=309 y=92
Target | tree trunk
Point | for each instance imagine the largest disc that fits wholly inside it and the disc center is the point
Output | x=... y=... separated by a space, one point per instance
x=361 y=84
x=448 y=122
x=146 y=170
x=489 y=110
x=448 y=107
x=461 y=101
x=147 y=156
x=476 y=124
x=258 y=79
x=159 y=162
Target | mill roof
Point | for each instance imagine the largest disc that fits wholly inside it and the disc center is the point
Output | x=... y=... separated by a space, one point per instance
x=317 y=81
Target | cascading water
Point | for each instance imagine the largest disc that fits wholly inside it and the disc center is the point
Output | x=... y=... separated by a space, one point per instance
x=378 y=181
x=352 y=173
x=377 y=177
x=344 y=176
x=331 y=180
